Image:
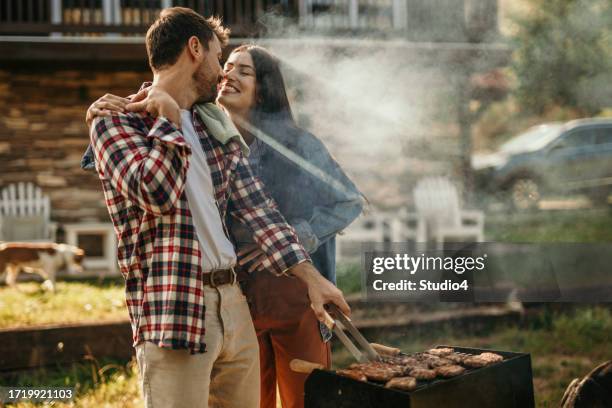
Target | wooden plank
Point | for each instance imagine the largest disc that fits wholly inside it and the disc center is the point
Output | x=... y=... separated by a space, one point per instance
x=26 y=348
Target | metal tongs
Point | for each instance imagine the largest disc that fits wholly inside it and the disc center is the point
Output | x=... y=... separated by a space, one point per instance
x=339 y=325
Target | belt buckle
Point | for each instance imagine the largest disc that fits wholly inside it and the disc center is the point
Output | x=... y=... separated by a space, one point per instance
x=213 y=284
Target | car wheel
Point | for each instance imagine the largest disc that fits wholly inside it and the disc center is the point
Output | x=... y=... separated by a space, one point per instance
x=525 y=194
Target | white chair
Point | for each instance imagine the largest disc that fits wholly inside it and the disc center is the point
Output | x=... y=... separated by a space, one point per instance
x=369 y=228
x=25 y=214
x=410 y=227
x=437 y=201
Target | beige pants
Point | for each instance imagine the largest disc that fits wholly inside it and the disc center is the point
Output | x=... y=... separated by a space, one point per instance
x=226 y=375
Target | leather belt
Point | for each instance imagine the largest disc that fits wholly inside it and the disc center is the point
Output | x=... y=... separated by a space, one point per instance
x=219 y=277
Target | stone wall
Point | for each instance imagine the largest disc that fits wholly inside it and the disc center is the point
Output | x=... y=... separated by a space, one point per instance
x=43 y=133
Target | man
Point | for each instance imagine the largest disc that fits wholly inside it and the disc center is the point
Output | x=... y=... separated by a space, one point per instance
x=168 y=186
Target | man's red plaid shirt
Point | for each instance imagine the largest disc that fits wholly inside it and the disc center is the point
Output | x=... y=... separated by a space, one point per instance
x=142 y=162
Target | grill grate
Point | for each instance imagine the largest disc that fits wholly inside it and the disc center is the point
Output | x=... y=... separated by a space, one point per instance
x=506 y=384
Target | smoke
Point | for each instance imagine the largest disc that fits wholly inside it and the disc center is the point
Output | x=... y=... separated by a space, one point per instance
x=365 y=97
x=370 y=99
x=365 y=100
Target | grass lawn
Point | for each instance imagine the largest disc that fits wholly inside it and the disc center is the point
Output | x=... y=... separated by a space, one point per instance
x=97 y=384
x=563 y=346
x=73 y=302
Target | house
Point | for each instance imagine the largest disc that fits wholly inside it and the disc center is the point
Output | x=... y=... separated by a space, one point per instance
x=57 y=56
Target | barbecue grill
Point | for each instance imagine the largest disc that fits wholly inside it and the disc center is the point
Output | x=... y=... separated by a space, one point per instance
x=507 y=384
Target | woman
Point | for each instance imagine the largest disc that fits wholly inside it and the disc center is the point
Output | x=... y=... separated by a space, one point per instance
x=317 y=204
x=313 y=194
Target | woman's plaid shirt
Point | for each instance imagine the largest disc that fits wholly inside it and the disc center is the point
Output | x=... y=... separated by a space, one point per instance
x=142 y=162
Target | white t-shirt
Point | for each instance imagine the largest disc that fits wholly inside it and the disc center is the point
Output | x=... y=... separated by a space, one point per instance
x=217 y=250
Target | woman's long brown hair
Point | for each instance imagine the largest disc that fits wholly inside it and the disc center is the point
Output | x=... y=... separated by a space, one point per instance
x=270 y=92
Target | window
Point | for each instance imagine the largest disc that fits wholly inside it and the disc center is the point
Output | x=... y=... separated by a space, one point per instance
x=603 y=135
x=577 y=138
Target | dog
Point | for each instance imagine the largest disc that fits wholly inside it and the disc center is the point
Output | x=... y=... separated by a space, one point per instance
x=45 y=259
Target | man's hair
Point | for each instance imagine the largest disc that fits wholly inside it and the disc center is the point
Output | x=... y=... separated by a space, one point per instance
x=168 y=35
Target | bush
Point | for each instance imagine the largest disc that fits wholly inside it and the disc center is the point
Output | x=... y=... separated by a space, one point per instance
x=563 y=55
x=349 y=277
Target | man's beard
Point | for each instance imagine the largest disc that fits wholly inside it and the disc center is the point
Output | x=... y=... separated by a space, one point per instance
x=205 y=87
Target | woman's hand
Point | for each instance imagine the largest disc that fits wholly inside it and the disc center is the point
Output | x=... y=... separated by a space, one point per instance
x=104 y=106
x=157 y=102
x=252 y=253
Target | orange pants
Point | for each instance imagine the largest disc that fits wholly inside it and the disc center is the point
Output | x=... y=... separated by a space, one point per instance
x=279 y=343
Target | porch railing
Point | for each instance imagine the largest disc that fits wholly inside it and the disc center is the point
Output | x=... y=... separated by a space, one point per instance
x=433 y=20
x=126 y=17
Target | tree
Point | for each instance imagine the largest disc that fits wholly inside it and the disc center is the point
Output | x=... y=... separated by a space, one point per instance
x=563 y=55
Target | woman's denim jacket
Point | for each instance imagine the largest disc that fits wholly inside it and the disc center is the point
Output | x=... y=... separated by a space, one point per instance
x=317 y=205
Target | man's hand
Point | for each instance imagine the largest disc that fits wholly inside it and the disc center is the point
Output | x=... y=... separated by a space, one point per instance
x=104 y=106
x=320 y=290
x=157 y=102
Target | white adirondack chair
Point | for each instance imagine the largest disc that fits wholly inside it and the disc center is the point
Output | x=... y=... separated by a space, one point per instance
x=410 y=227
x=25 y=214
x=437 y=201
x=372 y=228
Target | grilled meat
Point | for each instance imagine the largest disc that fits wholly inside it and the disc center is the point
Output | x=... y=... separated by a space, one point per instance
x=455 y=358
x=402 y=383
x=482 y=360
x=400 y=371
x=495 y=358
x=422 y=374
x=440 y=352
x=354 y=374
x=438 y=362
x=450 y=371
